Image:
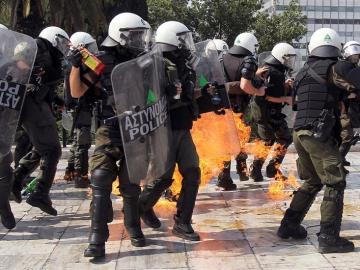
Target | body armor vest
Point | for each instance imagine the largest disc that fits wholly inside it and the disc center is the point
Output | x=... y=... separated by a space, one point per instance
x=314 y=93
x=232 y=67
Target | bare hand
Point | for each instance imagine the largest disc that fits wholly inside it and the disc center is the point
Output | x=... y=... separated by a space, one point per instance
x=262 y=72
x=289 y=83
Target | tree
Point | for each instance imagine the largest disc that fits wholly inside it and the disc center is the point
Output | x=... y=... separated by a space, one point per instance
x=223 y=19
x=31 y=16
x=285 y=27
x=161 y=11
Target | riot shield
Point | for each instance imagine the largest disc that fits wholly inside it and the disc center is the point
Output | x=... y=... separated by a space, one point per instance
x=210 y=71
x=17 y=56
x=142 y=111
x=67 y=120
x=214 y=133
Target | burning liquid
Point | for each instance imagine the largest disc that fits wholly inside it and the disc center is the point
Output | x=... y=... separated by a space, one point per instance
x=281 y=188
x=217 y=140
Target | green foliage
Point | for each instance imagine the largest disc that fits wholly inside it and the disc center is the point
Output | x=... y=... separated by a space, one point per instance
x=287 y=26
x=168 y=10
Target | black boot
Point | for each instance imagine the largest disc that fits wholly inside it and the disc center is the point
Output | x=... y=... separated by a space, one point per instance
x=101 y=184
x=40 y=198
x=130 y=193
x=334 y=244
x=241 y=167
x=95 y=251
x=81 y=181
x=224 y=178
x=294 y=215
x=255 y=170
x=149 y=197
x=69 y=173
x=272 y=169
x=290 y=226
x=184 y=230
x=331 y=218
x=7 y=217
x=186 y=204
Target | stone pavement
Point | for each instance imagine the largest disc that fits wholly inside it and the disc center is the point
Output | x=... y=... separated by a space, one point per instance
x=238 y=231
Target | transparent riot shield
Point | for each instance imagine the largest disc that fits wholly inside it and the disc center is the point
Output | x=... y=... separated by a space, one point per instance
x=214 y=133
x=210 y=71
x=142 y=110
x=262 y=56
x=17 y=56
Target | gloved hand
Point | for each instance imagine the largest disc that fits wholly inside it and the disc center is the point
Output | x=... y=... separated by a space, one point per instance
x=74 y=57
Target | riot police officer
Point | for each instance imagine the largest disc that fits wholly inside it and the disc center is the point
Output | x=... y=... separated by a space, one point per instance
x=240 y=65
x=78 y=162
x=350 y=114
x=127 y=38
x=39 y=122
x=176 y=43
x=317 y=125
x=266 y=111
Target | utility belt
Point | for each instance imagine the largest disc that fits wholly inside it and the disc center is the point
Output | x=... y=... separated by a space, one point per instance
x=323 y=127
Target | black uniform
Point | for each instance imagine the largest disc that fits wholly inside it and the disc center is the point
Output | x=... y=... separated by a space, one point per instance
x=270 y=121
x=39 y=123
x=104 y=165
x=237 y=66
x=184 y=154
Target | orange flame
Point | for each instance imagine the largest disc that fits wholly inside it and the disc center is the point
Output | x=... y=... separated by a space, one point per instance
x=216 y=140
x=279 y=187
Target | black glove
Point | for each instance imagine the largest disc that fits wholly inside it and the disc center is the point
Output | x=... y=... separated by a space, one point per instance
x=74 y=57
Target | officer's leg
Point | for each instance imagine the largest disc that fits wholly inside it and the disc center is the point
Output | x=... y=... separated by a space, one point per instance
x=188 y=162
x=70 y=169
x=41 y=127
x=103 y=173
x=283 y=140
x=303 y=197
x=82 y=157
x=267 y=135
x=241 y=167
x=6 y=174
x=333 y=176
x=347 y=133
x=130 y=193
x=27 y=165
x=150 y=196
x=22 y=145
x=224 y=179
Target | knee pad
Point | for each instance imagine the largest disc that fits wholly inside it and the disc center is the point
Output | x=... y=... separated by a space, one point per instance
x=102 y=179
x=192 y=177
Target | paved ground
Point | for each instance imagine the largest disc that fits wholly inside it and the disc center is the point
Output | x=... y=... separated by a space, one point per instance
x=237 y=229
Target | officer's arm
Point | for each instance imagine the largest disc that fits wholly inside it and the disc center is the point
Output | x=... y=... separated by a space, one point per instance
x=77 y=87
x=349 y=72
x=249 y=88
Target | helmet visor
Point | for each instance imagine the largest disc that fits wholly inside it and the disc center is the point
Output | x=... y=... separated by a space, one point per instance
x=136 y=38
x=289 y=60
x=186 y=41
x=62 y=44
x=351 y=50
x=92 y=47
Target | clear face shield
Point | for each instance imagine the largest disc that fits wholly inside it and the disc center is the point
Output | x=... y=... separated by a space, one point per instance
x=62 y=44
x=186 y=41
x=255 y=54
x=289 y=61
x=138 y=39
x=92 y=47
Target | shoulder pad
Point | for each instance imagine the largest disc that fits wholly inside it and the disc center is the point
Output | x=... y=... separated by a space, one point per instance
x=249 y=59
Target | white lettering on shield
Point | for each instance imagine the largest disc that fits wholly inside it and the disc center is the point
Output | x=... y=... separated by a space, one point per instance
x=145 y=121
x=9 y=94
